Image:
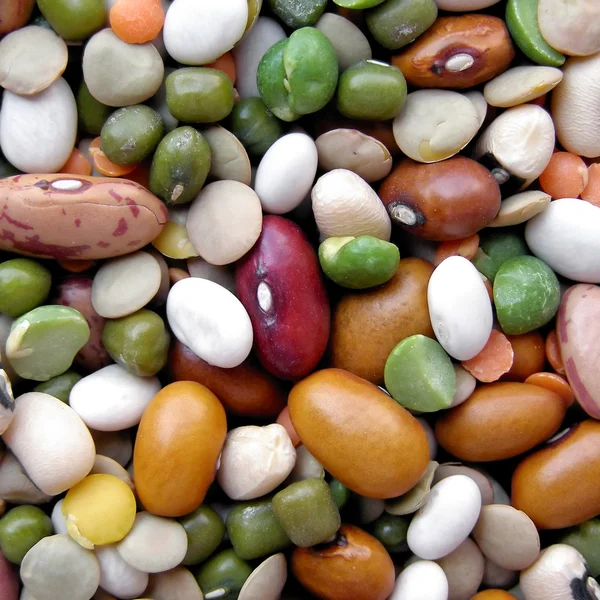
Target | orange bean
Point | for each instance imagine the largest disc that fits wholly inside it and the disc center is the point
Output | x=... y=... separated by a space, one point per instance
x=76 y=266
x=176 y=275
x=226 y=64
x=553 y=353
x=105 y=166
x=555 y=383
x=284 y=420
x=566 y=176
x=137 y=21
x=591 y=193
x=493 y=361
x=77 y=164
x=530 y=355
x=493 y=595
x=466 y=247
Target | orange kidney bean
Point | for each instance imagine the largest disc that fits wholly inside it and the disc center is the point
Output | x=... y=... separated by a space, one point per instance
x=530 y=355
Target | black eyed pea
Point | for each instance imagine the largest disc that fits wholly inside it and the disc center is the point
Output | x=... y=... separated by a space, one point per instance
x=131 y=134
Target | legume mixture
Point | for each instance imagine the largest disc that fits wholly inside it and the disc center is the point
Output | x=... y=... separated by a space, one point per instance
x=299 y=298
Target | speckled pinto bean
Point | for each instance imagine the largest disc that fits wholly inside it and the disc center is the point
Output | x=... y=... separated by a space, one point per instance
x=76 y=217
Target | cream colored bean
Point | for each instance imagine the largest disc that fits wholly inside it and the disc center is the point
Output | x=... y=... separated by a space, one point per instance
x=31 y=59
x=255 y=460
x=483 y=482
x=223 y=275
x=116 y=576
x=495 y=576
x=15 y=486
x=419 y=580
x=416 y=498
x=117 y=445
x=446 y=519
x=464 y=570
x=306 y=467
x=56 y=457
x=228 y=157
x=176 y=584
x=521 y=84
x=224 y=221
x=58 y=567
x=154 y=544
x=126 y=284
x=344 y=204
x=266 y=581
x=521 y=207
x=465 y=385
x=435 y=124
x=349 y=42
x=353 y=150
x=507 y=536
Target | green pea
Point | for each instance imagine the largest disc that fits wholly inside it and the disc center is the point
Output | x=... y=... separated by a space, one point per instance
x=43 y=342
x=358 y=4
x=131 y=134
x=522 y=22
x=586 y=539
x=21 y=528
x=138 y=342
x=199 y=95
x=180 y=166
x=496 y=247
x=24 y=284
x=60 y=386
x=526 y=294
x=307 y=512
x=254 y=530
x=340 y=493
x=358 y=263
x=255 y=125
x=92 y=114
x=205 y=532
x=74 y=20
x=391 y=531
x=419 y=375
x=298 y=13
x=223 y=576
x=298 y=75
x=396 y=23
x=371 y=90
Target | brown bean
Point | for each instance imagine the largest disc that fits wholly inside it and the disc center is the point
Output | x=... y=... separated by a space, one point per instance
x=557 y=486
x=367 y=326
x=441 y=201
x=14 y=14
x=77 y=217
x=244 y=390
x=499 y=421
x=458 y=52
x=76 y=291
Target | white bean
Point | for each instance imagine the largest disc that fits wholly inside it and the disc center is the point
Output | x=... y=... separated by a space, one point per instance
x=422 y=580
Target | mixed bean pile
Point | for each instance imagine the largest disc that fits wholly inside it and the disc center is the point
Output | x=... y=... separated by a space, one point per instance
x=300 y=299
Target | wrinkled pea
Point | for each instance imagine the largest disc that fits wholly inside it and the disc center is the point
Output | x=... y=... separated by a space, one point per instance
x=495 y=249
x=298 y=13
